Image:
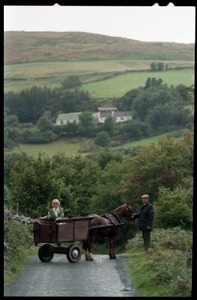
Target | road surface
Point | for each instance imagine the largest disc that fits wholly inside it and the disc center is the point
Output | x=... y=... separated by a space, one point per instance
x=99 y=278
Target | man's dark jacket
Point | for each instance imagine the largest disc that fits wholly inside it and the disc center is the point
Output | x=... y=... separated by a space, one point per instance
x=146 y=217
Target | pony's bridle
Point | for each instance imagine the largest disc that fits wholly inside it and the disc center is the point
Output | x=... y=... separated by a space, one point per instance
x=129 y=213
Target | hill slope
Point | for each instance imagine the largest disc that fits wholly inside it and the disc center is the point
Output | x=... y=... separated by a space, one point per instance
x=21 y=46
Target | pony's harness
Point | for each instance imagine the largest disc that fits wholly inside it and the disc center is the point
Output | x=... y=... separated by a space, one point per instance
x=107 y=216
x=112 y=222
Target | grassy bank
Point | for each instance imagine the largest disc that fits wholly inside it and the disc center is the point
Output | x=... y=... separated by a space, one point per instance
x=18 y=241
x=166 y=270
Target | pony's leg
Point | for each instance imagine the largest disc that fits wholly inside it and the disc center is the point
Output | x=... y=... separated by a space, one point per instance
x=87 y=255
x=113 y=248
x=91 y=242
x=112 y=244
x=110 y=248
x=86 y=246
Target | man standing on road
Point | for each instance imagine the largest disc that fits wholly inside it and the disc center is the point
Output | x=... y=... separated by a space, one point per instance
x=146 y=218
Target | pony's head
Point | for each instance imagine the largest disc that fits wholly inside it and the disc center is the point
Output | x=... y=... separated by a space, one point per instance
x=124 y=211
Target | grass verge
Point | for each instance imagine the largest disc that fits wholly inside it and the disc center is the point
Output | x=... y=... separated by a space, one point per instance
x=14 y=267
x=166 y=269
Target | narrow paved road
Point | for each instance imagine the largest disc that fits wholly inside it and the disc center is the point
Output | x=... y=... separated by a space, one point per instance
x=100 y=278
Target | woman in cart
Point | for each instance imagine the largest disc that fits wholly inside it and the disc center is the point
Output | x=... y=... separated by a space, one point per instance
x=56 y=212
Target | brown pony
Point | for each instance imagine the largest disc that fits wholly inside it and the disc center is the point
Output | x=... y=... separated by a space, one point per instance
x=108 y=225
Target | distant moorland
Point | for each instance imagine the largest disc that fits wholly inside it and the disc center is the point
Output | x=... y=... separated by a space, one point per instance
x=21 y=46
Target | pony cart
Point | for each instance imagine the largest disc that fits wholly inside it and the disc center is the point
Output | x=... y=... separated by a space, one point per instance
x=84 y=229
x=56 y=232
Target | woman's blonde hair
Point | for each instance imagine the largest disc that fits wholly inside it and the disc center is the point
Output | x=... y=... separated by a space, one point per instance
x=55 y=200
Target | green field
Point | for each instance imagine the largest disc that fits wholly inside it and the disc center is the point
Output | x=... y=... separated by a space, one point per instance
x=22 y=76
x=119 y=85
x=71 y=147
x=148 y=141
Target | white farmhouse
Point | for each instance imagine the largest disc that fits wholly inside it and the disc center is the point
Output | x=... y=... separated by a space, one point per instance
x=102 y=114
x=64 y=119
x=118 y=116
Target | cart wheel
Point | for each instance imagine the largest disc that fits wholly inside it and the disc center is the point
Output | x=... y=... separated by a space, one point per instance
x=44 y=253
x=74 y=253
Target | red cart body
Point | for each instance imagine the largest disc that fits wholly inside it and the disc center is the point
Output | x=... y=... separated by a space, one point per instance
x=59 y=231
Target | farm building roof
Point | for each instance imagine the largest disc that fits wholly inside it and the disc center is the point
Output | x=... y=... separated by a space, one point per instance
x=68 y=116
x=107 y=108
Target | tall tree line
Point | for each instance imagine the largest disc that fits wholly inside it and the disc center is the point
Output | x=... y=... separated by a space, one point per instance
x=31 y=104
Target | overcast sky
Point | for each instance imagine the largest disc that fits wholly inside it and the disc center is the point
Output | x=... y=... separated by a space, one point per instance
x=145 y=23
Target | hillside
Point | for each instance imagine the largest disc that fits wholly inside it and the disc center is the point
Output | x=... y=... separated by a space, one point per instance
x=21 y=46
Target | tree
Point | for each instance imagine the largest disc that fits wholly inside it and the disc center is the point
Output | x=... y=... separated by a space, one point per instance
x=35 y=182
x=11 y=130
x=157 y=66
x=72 y=129
x=44 y=124
x=77 y=180
x=108 y=125
x=102 y=139
x=31 y=104
x=106 y=156
x=166 y=163
x=125 y=102
x=141 y=105
x=36 y=136
x=11 y=121
x=133 y=130
x=9 y=161
x=148 y=83
x=110 y=194
x=161 y=117
x=87 y=124
x=186 y=93
x=160 y=66
x=32 y=186
x=71 y=81
x=173 y=208
x=26 y=103
x=153 y=66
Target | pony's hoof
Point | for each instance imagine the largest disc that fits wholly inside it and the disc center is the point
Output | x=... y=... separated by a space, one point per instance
x=89 y=259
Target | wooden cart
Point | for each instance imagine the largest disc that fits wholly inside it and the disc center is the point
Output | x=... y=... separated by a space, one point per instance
x=56 y=232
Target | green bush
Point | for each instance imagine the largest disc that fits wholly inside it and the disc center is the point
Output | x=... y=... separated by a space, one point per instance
x=18 y=238
x=168 y=264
